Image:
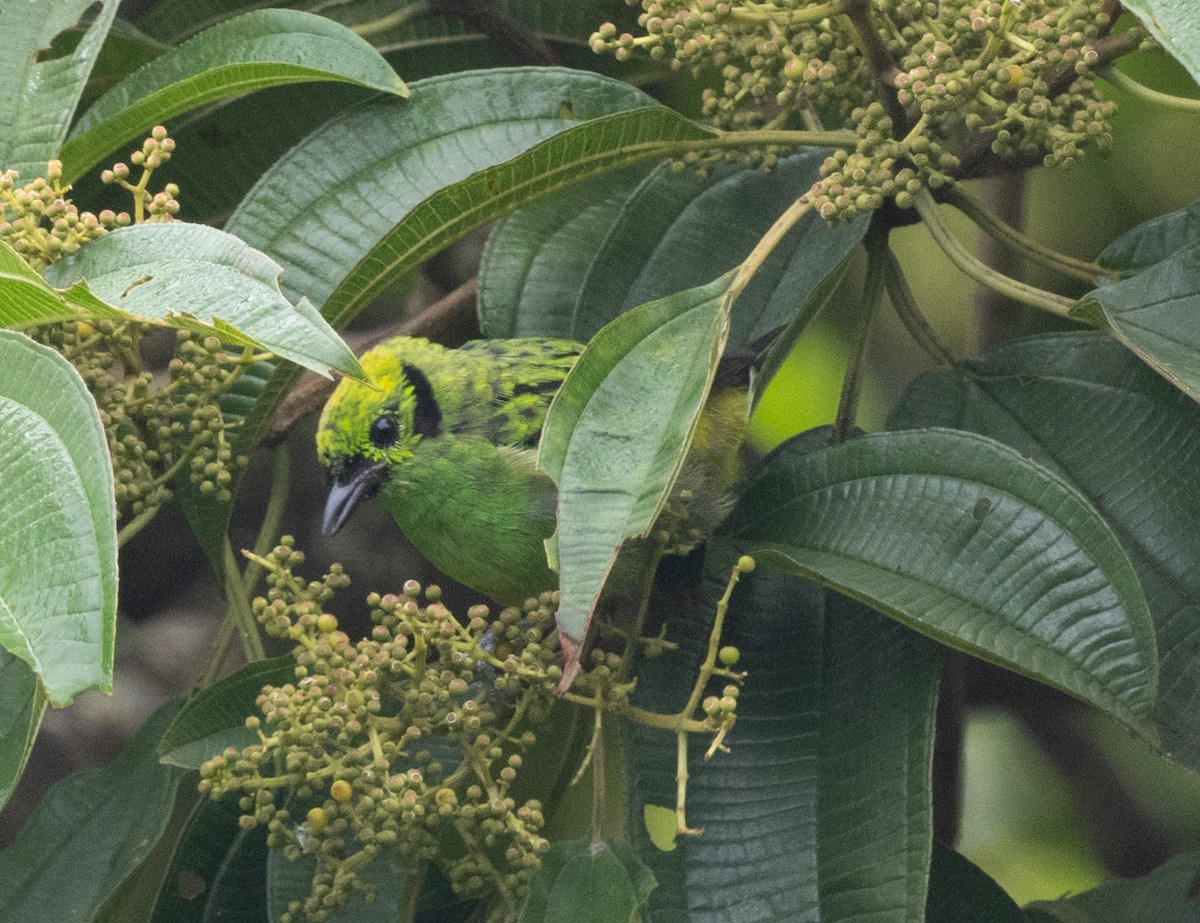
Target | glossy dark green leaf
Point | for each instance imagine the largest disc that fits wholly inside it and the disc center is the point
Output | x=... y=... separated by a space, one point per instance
x=88 y=833
x=1174 y=25
x=215 y=717
x=966 y=540
x=821 y=809
x=1084 y=406
x=22 y=704
x=960 y=891
x=569 y=263
x=38 y=98
x=588 y=882
x=617 y=433
x=58 y=549
x=1169 y=894
x=218 y=870
x=200 y=278
x=260 y=49
x=1153 y=241
x=1156 y=314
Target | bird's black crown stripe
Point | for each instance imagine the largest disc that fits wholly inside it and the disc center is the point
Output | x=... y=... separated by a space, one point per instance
x=427 y=416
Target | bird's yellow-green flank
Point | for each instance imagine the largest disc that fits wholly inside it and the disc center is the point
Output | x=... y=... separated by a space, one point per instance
x=447 y=440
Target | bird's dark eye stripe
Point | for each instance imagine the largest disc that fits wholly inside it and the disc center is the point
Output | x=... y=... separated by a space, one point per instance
x=427 y=415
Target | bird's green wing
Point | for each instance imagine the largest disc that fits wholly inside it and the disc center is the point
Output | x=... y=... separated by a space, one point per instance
x=524 y=375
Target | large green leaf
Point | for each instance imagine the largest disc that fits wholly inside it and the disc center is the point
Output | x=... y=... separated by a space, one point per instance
x=88 y=833
x=968 y=541
x=821 y=809
x=617 y=433
x=960 y=891
x=38 y=98
x=218 y=870
x=260 y=49
x=588 y=882
x=22 y=704
x=1156 y=314
x=1174 y=24
x=568 y=264
x=1084 y=406
x=215 y=717
x=58 y=549
x=1153 y=241
x=1166 y=895
x=200 y=278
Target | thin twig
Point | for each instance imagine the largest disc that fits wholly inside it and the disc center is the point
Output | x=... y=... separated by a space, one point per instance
x=910 y=315
x=877 y=247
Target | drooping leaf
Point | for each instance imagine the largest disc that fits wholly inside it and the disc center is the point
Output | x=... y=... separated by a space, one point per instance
x=1174 y=25
x=200 y=278
x=22 y=704
x=1156 y=314
x=964 y=539
x=960 y=891
x=568 y=264
x=1084 y=406
x=1169 y=894
x=588 y=882
x=259 y=49
x=58 y=550
x=88 y=833
x=218 y=870
x=215 y=717
x=617 y=433
x=1153 y=241
x=821 y=808
x=38 y=98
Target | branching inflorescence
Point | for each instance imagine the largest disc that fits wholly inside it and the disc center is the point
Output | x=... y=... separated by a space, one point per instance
x=919 y=82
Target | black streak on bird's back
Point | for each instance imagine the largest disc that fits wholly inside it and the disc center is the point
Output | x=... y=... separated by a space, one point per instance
x=427 y=416
x=540 y=387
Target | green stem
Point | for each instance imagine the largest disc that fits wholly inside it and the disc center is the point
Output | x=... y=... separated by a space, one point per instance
x=910 y=315
x=135 y=525
x=598 y=781
x=1127 y=83
x=239 y=608
x=980 y=272
x=1006 y=234
x=877 y=249
x=775 y=233
x=269 y=530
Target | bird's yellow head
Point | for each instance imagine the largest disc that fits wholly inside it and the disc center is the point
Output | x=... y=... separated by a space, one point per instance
x=366 y=430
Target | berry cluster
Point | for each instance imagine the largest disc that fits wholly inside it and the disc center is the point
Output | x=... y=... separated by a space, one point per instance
x=147 y=206
x=398 y=741
x=918 y=81
x=41 y=223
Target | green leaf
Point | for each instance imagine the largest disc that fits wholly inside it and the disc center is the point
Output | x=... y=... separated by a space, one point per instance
x=964 y=539
x=260 y=49
x=22 y=704
x=89 y=832
x=1174 y=25
x=1156 y=314
x=1085 y=407
x=960 y=891
x=821 y=808
x=58 y=550
x=199 y=278
x=215 y=717
x=1166 y=895
x=218 y=871
x=617 y=433
x=1153 y=241
x=588 y=882
x=38 y=98
x=568 y=264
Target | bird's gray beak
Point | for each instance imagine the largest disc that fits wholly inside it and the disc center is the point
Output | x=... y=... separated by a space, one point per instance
x=351 y=484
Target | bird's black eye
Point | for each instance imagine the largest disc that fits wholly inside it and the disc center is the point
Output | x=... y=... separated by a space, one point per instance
x=385 y=431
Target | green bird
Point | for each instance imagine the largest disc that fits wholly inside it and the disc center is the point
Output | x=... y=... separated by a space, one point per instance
x=447 y=441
